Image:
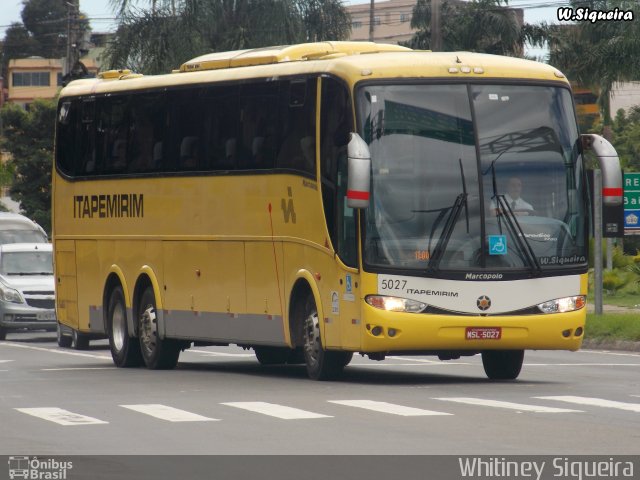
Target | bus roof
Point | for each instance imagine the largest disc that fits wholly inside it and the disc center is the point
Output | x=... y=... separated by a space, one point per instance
x=353 y=61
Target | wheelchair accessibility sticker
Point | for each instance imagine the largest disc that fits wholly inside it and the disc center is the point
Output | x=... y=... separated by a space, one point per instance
x=497 y=244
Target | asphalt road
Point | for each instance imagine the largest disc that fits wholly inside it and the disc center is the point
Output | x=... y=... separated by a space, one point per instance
x=220 y=401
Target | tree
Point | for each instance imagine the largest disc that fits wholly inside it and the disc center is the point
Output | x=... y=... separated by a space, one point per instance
x=17 y=43
x=478 y=25
x=160 y=38
x=598 y=54
x=28 y=136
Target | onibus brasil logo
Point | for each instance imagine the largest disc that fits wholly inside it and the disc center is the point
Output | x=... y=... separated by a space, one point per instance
x=37 y=469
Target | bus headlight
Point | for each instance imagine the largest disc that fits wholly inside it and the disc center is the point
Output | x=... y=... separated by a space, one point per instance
x=561 y=305
x=9 y=294
x=395 y=304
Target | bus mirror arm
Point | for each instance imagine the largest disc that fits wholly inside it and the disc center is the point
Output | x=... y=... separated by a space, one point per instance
x=612 y=192
x=359 y=172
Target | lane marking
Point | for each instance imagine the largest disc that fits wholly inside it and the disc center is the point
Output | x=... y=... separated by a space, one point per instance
x=596 y=402
x=428 y=362
x=170 y=414
x=382 y=364
x=6 y=361
x=60 y=416
x=221 y=354
x=76 y=368
x=275 y=410
x=60 y=351
x=582 y=364
x=607 y=352
x=384 y=407
x=508 y=405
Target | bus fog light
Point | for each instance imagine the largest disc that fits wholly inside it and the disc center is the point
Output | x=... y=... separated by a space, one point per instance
x=562 y=305
x=566 y=333
x=395 y=304
x=375 y=331
x=391 y=332
x=578 y=332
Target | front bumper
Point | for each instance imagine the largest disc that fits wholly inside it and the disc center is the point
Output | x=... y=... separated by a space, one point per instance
x=20 y=316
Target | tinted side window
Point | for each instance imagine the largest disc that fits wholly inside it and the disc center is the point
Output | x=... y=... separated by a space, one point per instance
x=148 y=119
x=65 y=135
x=297 y=147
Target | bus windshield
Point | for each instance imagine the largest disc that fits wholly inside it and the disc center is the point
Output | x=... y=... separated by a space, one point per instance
x=473 y=177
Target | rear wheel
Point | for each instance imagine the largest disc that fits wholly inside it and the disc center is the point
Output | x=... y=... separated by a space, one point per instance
x=64 y=341
x=502 y=364
x=3 y=333
x=125 y=350
x=158 y=353
x=321 y=364
x=272 y=355
x=80 y=340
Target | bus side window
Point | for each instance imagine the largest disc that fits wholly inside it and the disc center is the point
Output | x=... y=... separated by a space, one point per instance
x=114 y=139
x=220 y=127
x=336 y=124
x=66 y=136
x=87 y=145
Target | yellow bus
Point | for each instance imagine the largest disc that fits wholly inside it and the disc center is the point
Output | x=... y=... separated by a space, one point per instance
x=319 y=200
x=587 y=107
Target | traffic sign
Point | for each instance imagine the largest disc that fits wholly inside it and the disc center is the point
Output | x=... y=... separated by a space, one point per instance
x=632 y=201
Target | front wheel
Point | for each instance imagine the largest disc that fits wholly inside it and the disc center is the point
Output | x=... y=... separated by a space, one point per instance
x=502 y=364
x=158 y=353
x=64 y=341
x=125 y=350
x=321 y=364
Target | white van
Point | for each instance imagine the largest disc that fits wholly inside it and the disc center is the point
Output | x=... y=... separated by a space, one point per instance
x=16 y=228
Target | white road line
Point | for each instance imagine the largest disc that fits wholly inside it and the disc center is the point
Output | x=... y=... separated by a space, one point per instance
x=383 y=364
x=509 y=405
x=275 y=410
x=384 y=407
x=582 y=364
x=170 y=414
x=596 y=402
x=424 y=361
x=60 y=416
x=53 y=350
x=221 y=354
x=76 y=368
x=6 y=361
x=607 y=352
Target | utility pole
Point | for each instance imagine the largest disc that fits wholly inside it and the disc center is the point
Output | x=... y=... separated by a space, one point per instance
x=371 y=17
x=436 y=22
x=73 y=38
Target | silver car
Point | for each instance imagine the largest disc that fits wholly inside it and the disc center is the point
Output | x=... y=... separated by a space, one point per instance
x=27 y=299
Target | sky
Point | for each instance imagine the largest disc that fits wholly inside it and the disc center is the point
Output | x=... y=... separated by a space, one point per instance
x=103 y=20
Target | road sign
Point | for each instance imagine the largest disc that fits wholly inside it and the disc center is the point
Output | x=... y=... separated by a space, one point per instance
x=632 y=202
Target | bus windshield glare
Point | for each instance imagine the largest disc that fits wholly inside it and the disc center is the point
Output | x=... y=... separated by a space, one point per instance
x=473 y=178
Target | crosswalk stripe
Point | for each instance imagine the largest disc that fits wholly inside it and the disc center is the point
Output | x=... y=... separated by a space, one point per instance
x=596 y=402
x=170 y=414
x=275 y=410
x=509 y=405
x=390 y=408
x=60 y=416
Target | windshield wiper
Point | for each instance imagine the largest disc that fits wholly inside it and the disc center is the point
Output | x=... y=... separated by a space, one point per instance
x=447 y=230
x=503 y=209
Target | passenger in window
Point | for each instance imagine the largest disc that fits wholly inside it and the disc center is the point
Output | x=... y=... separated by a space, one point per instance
x=297 y=150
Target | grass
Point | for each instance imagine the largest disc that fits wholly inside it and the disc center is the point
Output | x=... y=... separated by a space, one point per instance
x=613 y=326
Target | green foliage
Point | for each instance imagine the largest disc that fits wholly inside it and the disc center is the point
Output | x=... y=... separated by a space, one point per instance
x=478 y=25
x=612 y=281
x=626 y=138
x=28 y=136
x=613 y=326
x=159 y=39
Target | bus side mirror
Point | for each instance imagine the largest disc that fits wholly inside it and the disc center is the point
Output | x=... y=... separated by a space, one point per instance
x=612 y=192
x=359 y=172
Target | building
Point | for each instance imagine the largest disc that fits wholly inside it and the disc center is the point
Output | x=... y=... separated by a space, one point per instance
x=624 y=95
x=37 y=77
x=391 y=21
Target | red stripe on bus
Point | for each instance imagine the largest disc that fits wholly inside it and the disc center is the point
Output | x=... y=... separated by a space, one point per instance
x=357 y=195
x=612 y=192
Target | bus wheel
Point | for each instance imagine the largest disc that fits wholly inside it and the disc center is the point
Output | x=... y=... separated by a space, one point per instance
x=272 y=355
x=80 y=341
x=158 y=353
x=3 y=333
x=64 y=341
x=321 y=364
x=125 y=350
x=502 y=364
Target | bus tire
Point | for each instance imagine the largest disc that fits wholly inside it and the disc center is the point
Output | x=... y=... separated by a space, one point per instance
x=272 y=355
x=125 y=350
x=157 y=353
x=321 y=364
x=502 y=364
x=80 y=341
x=64 y=341
x=3 y=333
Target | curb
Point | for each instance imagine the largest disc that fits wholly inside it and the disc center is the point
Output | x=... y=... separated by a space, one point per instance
x=610 y=344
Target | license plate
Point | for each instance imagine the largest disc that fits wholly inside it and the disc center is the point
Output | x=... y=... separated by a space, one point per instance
x=483 y=333
x=46 y=316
